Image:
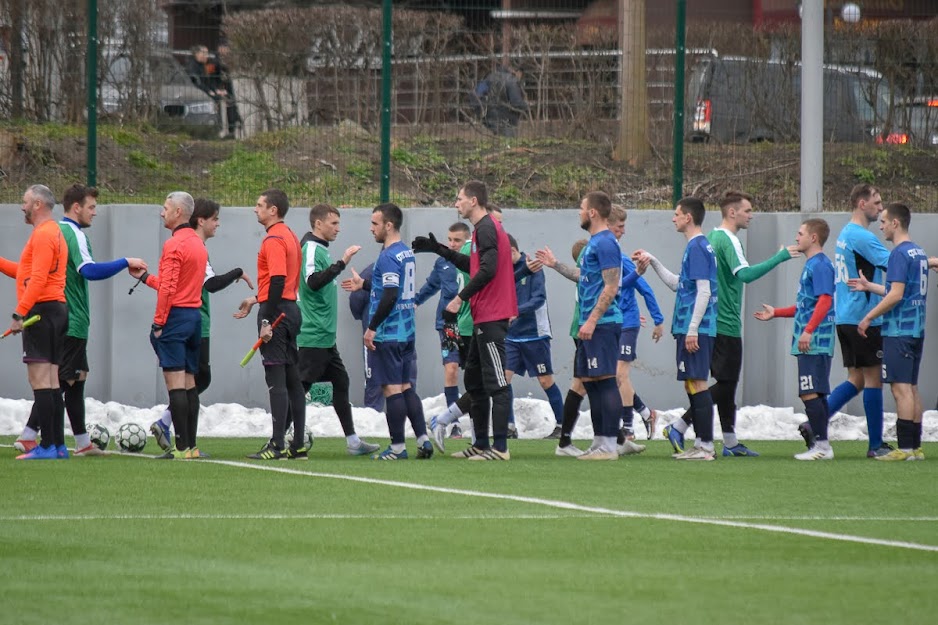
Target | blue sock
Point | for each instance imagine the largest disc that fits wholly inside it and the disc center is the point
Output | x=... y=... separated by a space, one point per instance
x=396 y=414
x=637 y=403
x=816 y=411
x=841 y=395
x=611 y=406
x=511 y=404
x=415 y=412
x=628 y=416
x=595 y=406
x=556 y=402
x=873 y=405
x=451 y=393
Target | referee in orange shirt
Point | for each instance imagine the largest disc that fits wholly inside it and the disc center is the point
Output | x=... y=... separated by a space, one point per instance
x=176 y=333
x=40 y=290
x=278 y=278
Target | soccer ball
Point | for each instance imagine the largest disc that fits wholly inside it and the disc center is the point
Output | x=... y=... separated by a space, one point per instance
x=131 y=437
x=99 y=436
x=288 y=438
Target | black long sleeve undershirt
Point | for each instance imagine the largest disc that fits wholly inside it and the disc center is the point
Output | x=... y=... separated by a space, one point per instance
x=317 y=280
x=274 y=296
x=217 y=283
x=460 y=260
x=385 y=306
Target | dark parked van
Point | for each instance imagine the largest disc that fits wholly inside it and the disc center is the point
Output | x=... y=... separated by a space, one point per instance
x=738 y=100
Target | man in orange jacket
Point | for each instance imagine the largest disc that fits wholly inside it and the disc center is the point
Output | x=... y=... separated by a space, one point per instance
x=40 y=290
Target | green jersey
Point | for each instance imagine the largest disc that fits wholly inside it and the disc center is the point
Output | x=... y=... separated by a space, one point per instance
x=320 y=307
x=464 y=319
x=575 y=324
x=76 y=286
x=733 y=271
x=205 y=309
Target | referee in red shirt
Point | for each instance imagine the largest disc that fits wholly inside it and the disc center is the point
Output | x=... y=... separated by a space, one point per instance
x=278 y=278
x=176 y=333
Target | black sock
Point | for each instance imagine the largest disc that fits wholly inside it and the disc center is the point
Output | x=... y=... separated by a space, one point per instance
x=917 y=436
x=571 y=413
x=297 y=398
x=628 y=417
x=905 y=432
x=637 y=403
x=702 y=406
x=396 y=415
x=44 y=407
x=75 y=406
x=179 y=411
x=279 y=402
x=724 y=397
x=479 y=413
x=58 y=427
x=464 y=402
x=192 y=395
x=688 y=416
x=343 y=409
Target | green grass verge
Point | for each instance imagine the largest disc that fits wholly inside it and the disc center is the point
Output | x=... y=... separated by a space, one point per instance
x=133 y=540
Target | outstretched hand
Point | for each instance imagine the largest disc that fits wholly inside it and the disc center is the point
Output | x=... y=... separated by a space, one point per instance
x=351 y=251
x=136 y=264
x=247 y=280
x=793 y=251
x=767 y=312
x=546 y=257
x=355 y=283
x=425 y=244
x=860 y=283
x=245 y=308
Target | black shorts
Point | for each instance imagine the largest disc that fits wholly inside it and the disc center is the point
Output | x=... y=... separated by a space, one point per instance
x=323 y=364
x=727 y=360
x=281 y=349
x=74 y=359
x=859 y=352
x=44 y=341
x=485 y=362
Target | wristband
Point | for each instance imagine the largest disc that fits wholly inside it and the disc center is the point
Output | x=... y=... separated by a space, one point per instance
x=17 y=317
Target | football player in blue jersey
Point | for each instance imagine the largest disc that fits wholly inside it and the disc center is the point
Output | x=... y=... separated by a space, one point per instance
x=902 y=309
x=813 y=337
x=390 y=333
x=695 y=317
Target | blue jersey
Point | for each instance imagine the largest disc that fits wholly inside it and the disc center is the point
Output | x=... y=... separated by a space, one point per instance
x=532 y=322
x=631 y=317
x=908 y=264
x=858 y=249
x=443 y=280
x=395 y=268
x=817 y=279
x=699 y=263
x=601 y=253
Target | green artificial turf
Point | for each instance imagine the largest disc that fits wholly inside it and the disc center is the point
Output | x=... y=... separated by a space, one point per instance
x=132 y=540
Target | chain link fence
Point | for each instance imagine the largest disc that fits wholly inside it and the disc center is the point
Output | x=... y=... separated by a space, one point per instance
x=543 y=100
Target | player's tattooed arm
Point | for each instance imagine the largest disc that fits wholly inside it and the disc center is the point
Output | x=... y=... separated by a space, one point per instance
x=606 y=297
x=546 y=257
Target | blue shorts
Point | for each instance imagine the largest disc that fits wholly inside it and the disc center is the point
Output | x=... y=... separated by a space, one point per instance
x=391 y=363
x=902 y=357
x=814 y=374
x=598 y=357
x=178 y=346
x=448 y=355
x=694 y=366
x=628 y=339
x=530 y=358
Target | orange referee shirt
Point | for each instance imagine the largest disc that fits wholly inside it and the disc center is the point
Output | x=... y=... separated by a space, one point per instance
x=181 y=273
x=40 y=274
x=280 y=255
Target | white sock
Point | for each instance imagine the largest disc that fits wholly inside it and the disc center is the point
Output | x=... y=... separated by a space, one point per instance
x=708 y=445
x=597 y=442
x=697 y=442
x=353 y=441
x=825 y=445
x=422 y=439
x=451 y=415
x=645 y=413
x=398 y=447
x=610 y=445
x=167 y=418
x=472 y=434
x=730 y=440
x=28 y=434
x=680 y=426
x=82 y=440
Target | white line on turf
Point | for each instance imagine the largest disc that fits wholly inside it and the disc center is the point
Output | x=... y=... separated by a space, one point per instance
x=566 y=505
x=291 y=517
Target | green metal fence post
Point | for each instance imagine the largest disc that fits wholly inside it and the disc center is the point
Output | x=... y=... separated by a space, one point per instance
x=386 y=103
x=92 y=69
x=680 y=43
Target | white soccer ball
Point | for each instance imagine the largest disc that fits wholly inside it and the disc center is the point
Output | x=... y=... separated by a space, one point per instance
x=288 y=438
x=850 y=13
x=131 y=437
x=99 y=436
